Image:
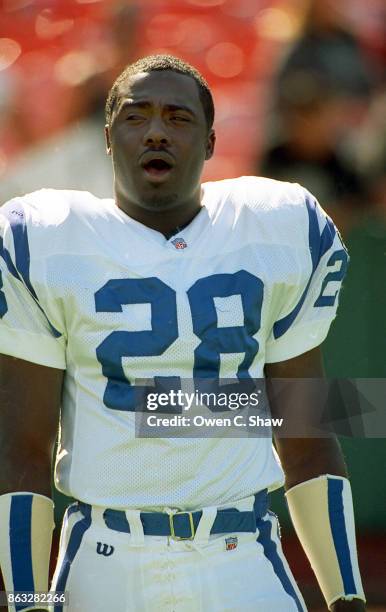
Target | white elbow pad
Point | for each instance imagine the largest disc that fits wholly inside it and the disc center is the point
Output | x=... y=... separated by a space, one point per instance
x=26 y=525
x=323 y=516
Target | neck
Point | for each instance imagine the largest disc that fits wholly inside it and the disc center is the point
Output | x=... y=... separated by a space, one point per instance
x=167 y=222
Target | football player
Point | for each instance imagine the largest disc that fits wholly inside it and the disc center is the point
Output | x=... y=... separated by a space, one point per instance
x=170 y=280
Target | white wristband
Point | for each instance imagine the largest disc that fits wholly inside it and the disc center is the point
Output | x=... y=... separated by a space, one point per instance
x=322 y=513
x=26 y=525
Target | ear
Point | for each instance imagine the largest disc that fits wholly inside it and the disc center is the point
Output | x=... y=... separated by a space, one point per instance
x=210 y=144
x=107 y=138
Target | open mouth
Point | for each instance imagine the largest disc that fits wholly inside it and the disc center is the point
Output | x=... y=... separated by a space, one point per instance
x=157 y=167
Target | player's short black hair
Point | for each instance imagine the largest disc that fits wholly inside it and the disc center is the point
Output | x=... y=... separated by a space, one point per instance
x=153 y=63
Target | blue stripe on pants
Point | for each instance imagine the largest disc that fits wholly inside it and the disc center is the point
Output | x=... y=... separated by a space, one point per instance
x=339 y=533
x=20 y=544
x=73 y=546
x=270 y=551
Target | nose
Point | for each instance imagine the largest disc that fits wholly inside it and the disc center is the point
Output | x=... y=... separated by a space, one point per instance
x=157 y=133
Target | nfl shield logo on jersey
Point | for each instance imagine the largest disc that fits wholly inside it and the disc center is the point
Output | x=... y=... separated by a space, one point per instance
x=179 y=243
x=231 y=543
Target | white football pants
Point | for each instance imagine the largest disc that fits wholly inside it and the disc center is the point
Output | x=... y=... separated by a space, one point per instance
x=102 y=569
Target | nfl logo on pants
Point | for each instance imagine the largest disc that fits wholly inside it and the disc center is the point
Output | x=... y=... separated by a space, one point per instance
x=231 y=543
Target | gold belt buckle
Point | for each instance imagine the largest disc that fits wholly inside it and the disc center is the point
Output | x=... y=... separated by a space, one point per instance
x=172 y=532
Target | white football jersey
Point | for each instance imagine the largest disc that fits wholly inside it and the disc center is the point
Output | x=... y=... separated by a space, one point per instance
x=253 y=279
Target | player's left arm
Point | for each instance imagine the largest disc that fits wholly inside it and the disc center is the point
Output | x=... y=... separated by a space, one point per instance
x=318 y=492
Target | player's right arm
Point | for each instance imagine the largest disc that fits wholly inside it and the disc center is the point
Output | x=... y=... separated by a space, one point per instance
x=30 y=401
x=32 y=361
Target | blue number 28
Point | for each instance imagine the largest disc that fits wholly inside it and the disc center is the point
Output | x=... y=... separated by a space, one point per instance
x=119 y=393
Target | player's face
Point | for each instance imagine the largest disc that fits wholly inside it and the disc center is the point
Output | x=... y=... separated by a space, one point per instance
x=159 y=141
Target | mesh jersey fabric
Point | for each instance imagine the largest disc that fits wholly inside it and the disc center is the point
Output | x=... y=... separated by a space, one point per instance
x=85 y=288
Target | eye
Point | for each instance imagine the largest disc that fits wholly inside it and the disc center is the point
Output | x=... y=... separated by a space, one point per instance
x=180 y=118
x=132 y=117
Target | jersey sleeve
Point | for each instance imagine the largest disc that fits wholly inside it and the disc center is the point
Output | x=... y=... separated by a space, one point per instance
x=25 y=330
x=304 y=324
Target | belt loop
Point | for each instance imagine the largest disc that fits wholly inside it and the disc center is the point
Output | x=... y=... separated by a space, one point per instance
x=137 y=537
x=205 y=525
x=97 y=516
x=261 y=503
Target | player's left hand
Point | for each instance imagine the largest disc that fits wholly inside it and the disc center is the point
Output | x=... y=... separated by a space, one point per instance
x=349 y=606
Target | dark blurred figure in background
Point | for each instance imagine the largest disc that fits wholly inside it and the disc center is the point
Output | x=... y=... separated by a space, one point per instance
x=321 y=98
x=371 y=154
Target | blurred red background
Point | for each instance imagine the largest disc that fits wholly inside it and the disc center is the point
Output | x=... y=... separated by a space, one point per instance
x=58 y=58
